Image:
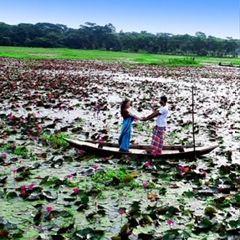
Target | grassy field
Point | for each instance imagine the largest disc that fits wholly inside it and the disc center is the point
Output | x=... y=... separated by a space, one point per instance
x=142 y=58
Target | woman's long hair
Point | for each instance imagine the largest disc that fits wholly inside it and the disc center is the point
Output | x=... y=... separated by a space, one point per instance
x=123 y=106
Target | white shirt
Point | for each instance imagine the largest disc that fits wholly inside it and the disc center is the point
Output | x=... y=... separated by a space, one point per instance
x=162 y=118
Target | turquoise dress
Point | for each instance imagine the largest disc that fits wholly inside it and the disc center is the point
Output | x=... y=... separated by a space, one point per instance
x=125 y=136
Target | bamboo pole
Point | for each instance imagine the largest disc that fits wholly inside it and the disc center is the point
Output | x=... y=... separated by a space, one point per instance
x=193 y=125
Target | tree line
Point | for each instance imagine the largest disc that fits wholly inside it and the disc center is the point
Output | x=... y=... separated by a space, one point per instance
x=92 y=36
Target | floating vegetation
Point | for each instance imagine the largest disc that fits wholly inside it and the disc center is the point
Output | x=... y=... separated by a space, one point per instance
x=52 y=191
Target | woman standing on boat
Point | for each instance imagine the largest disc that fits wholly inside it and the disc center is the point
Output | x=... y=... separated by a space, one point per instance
x=128 y=118
x=159 y=131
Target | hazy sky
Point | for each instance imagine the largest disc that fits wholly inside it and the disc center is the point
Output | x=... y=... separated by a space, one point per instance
x=218 y=18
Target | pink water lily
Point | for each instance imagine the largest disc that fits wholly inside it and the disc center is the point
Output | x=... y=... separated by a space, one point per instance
x=146 y=184
x=203 y=172
x=147 y=164
x=81 y=151
x=221 y=188
x=170 y=222
x=96 y=167
x=50 y=209
x=14 y=170
x=4 y=156
x=11 y=117
x=76 y=190
x=174 y=185
x=24 y=120
x=122 y=212
x=182 y=168
x=24 y=187
x=38 y=127
x=69 y=176
x=31 y=186
x=14 y=146
x=24 y=190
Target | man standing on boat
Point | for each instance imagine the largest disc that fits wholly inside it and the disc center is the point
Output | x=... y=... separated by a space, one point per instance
x=159 y=131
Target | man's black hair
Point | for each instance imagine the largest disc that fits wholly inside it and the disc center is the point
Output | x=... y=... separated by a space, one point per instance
x=164 y=99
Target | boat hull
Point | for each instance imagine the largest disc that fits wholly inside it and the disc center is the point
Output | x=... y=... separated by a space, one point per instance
x=108 y=149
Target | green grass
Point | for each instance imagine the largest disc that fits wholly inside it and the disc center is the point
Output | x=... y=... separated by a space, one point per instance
x=56 y=140
x=19 y=150
x=109 y=176
x=141 y=58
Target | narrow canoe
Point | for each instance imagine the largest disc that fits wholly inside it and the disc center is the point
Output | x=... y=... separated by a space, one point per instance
x=111 y=149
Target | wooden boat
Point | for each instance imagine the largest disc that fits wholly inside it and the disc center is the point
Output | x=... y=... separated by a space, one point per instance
x=110 y=149
x=228 y=65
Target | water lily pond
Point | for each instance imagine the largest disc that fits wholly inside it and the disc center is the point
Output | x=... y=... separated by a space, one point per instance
x=49 y=190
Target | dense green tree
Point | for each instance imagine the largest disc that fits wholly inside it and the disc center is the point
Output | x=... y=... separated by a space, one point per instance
x=93 y=36
x=5 y=34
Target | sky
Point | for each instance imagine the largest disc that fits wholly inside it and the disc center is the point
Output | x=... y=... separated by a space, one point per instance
x=219 y=18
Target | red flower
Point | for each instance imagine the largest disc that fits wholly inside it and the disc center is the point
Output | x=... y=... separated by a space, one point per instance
x=31 y=186
x=24 y=187
x=204 y=172
x=76 y=190
x=182 y=168
x=96 y=167
x=14 y=146
x=24 y=190
x=11 y=117
x=4 y=156
x=69 y=176
x=38 y=127
x=81 y=151
x=49 y=209
x=170 y=222
x=147 y=164
x=146 y=184
x=122 y=211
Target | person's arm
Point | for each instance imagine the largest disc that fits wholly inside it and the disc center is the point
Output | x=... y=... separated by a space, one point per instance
x=153 y=115
x=135 y=117
x=129 y=113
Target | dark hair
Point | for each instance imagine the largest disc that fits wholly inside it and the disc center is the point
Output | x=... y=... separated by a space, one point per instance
x=163 y=98
x=123 y=105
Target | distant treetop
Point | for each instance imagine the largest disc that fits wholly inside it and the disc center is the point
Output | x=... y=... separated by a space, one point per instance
x=93 y=36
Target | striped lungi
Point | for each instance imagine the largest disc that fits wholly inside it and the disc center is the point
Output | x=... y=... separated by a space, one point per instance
x=158 y=138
